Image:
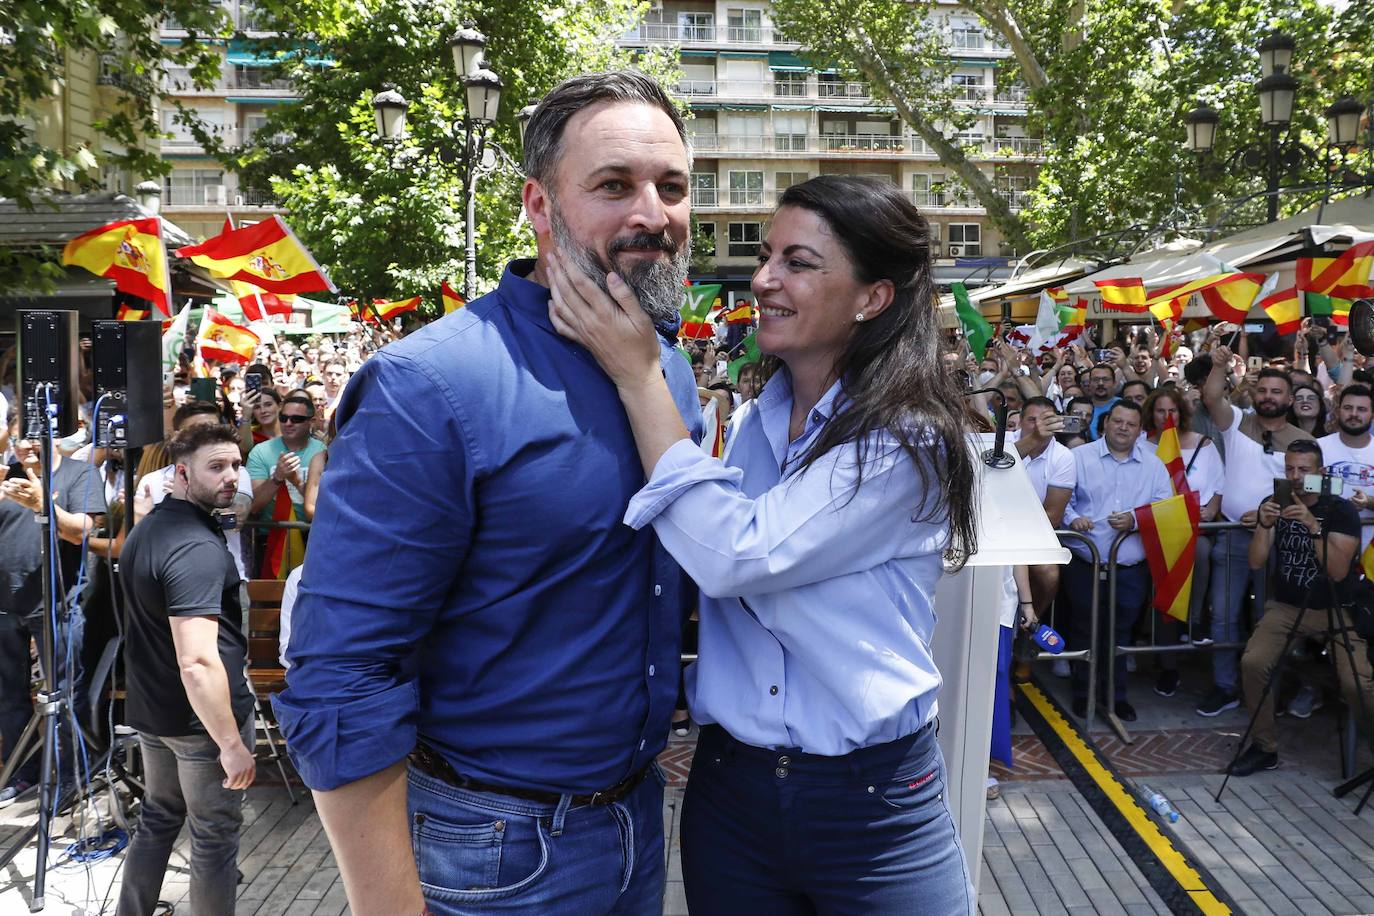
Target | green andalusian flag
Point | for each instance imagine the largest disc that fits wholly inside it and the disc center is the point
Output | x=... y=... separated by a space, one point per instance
x=750 y=354
x=976 y=328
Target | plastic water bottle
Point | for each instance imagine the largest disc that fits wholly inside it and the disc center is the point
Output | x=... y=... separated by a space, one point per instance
x=1159 y=804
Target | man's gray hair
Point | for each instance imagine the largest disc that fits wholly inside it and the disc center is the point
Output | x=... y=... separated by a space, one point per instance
x=544 y=133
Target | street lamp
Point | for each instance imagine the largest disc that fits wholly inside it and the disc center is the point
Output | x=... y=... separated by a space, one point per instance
x=149 y=195
x=1277 y=155
x=475 y=152
x=523 y=119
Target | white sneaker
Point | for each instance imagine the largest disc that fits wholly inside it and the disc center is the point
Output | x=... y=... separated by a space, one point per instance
x=1061 y=667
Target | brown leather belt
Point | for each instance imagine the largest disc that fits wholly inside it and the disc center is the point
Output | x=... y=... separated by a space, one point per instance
x=430 y=762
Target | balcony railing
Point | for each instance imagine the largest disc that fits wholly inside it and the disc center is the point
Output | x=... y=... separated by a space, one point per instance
x=807 y=143
x=828 y=91
x=843 y=89
x=975 y=40
x=1016 y=146
x=945 y=199
x=181 y=140
x=258 y=78
x=196 y=196
x=257 y=197
x=704 y=197
x=882 y=143
x=677 y=33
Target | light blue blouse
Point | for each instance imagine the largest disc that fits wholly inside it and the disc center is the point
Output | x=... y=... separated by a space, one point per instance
x=817 y=600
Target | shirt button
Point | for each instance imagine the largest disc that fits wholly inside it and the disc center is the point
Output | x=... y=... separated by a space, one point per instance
x=773 y=690
x=784 y=761
x=651 y=671
x=658 y=590
x=780 y=772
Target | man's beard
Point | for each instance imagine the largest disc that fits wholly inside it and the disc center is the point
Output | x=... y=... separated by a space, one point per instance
x=1270 y=409
x=1355 y=428
x=657 y=284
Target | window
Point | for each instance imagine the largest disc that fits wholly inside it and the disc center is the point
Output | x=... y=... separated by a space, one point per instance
x=705 y=242
x=789 y=132
x=785 y=180
x=965 y=35
x=965 y=240
x=746 y=189
x=789 y=84
x=194 y=187
x=697 y=79
x=211 y=118
x=697 y=26
x=745 y=25
x=833 y=86
x=744 y=133
x=967 y=86
x=704 y=189
x=744 y=239
x=874 y=135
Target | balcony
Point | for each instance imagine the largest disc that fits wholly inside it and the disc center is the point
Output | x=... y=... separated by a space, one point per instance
x=946 y=198
x=209 y=195
x=1016 y=147
x=975 y=41
x=710 y=35
x=704 y=198
x=256 y=197
x=868 y=143
x=257 y=79
x=111 y=75
x=181 y=140
x=843 y=90
x=880 y=144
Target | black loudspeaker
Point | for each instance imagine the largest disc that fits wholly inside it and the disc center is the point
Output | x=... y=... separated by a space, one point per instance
x=47 y=378
x=1362 y=325
x=126 y=368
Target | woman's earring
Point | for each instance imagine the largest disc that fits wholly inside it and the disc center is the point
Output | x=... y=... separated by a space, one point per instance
x=859 y=317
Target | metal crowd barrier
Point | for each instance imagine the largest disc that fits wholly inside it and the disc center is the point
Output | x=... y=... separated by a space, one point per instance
x=1088 y=655
x=1153 y=649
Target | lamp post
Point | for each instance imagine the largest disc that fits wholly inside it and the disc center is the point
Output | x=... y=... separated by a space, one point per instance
x=474 y=151
x=1278 y=155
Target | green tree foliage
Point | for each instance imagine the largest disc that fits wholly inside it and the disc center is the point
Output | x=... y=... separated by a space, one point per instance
x=387 y=221
x=1109 y=86
x=38 y=39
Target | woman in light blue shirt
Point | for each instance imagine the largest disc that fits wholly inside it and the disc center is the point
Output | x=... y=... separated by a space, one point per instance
x=818 y=785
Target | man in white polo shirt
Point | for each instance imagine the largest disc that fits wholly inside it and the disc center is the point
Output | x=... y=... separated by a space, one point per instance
x=1050 y=467
x=1254 y=445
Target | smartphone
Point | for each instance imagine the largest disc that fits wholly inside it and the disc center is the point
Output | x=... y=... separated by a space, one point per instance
x=1255 y=363
x=202 y=389
x=1312 y=483
x=1073 y=424
x=1283 y=492
x=1103 y=355
x=1254 y=327
x=252 y=381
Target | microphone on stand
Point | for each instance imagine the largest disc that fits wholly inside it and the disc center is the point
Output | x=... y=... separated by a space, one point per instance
x=997 y=457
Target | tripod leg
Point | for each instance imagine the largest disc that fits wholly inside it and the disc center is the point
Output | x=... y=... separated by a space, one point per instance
x=22 y=750
x=48 y=783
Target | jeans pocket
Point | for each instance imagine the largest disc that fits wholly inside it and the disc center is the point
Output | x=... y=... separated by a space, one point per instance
x=468 y=855
x=915 y=791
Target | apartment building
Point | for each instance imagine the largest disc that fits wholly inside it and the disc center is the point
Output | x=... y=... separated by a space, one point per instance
x=764 y=119
x=199 y=192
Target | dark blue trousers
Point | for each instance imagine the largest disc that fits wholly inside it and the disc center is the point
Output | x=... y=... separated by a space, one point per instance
x=781 y=832
x=1132 y=594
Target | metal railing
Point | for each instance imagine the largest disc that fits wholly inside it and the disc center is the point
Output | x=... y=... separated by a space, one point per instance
x=1086 y=656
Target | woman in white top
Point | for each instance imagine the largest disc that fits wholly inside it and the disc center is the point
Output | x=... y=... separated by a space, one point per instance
x=1206 y=474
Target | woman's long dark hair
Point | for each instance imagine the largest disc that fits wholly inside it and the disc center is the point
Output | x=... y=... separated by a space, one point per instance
x=891 y=374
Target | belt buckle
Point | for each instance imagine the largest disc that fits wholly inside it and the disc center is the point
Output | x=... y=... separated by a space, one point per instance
x=596 y=796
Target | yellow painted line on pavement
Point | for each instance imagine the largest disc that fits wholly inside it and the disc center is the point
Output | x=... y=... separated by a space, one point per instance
x=1127 y=803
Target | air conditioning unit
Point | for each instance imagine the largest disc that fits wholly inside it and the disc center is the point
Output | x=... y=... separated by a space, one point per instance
x=956 y=251
x=215 y=195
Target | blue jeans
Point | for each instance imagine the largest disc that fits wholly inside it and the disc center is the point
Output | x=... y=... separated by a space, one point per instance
x=773 y=832
x=479 y=852
x=1231 y=581
x=1132 y=594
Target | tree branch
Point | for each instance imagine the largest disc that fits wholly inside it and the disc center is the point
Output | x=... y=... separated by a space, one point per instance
x=996 y=14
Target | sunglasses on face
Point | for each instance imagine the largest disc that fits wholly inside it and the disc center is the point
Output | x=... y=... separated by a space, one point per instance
x=294 y=418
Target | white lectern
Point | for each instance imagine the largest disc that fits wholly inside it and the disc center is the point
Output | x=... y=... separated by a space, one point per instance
x=1012 y=529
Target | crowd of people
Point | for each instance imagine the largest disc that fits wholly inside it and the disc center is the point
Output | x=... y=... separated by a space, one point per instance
x=1260 y=421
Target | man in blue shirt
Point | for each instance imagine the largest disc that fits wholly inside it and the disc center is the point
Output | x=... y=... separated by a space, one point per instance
x=1115 y=475
x=483 y=610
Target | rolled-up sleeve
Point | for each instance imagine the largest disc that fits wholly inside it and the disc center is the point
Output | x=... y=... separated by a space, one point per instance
x=816 y=525
x=389 y=539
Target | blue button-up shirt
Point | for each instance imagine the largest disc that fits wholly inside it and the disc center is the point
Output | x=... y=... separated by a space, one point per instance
x=817 y=600
x=470 y=580
x=1106 y=485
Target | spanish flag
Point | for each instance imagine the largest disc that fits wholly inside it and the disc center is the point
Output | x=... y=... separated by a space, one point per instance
x=1169 y=309
x=129 y=314
x=1168 y=532
x=1285 y=309
x=1058 y=294
x=1124 y=295
x=266 y=254
x=258 y=303
x=1367 y=560
x=1171 y=453
x=1346 y=276
x=387 y=310
x=740 y=314
x=285 y=546
x=452 y=301
x=223 y=340
x=1230 y=296
x=129 y=252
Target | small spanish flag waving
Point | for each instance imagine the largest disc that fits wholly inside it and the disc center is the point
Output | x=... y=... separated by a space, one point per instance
x=1285 y=308
x=1124 y=295
x=740 y=314
x=129 y=252
x=1170 y=452
x=1168 y=532
x=266 y=254
x=452 y=301
x=387 y=310
x=223 y=340
x=131 y=314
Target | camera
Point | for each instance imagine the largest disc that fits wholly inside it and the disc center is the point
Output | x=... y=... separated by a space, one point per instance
x=1312 y=483
x=1073 y=424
